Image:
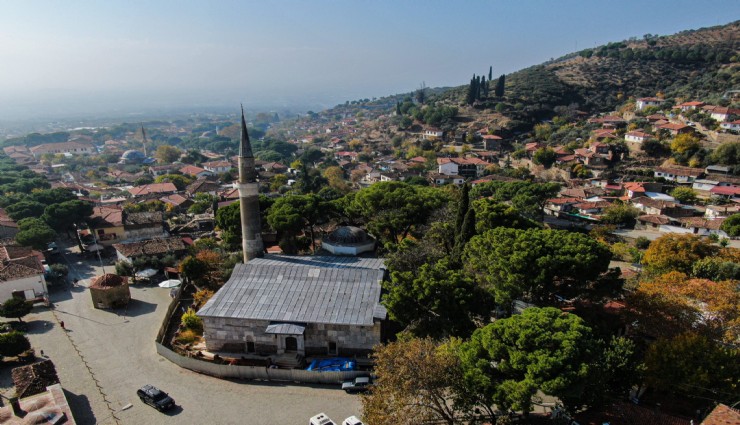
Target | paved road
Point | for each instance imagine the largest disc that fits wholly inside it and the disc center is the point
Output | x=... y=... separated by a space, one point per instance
x=104 y=356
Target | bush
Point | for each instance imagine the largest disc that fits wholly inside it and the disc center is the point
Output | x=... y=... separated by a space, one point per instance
x=642 y=242
x=13 y=344
x=124 y=268
x=192 y=322
x=186 y=337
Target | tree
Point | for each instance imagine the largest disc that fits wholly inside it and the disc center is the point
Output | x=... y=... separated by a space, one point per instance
x=490 y=73
x=692 y=364
x=545 y=157
x=335 y=176
x=506 y=362
x=727 y=154
x=37 y=236
x=499 y=90
x=731 y=225
x=61 y=217
x=13 y=343
x=673 y=303
x=491 y=214
x=536 y=264
x=392 y=209
x=684 y=143
x=436 y=301
x=16 y=308
x=26 y=208
x=674 y=252
x=179 y=180
x=290 y=214
x=684 y=195
x=193 y=157
x=415 y=380
x=167 y=154
x=620 y=214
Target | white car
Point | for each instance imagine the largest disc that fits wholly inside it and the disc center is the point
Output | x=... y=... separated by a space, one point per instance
x=352 y=420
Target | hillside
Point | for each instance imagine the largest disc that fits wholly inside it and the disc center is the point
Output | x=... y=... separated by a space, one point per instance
x=696 y=64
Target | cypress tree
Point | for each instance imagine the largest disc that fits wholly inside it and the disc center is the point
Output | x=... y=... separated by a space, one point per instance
x=462 y=208
x=471 y=91
x=500 y=86
x=466 y=233
x=484 y=86
x=490 y=73
x=398 y=108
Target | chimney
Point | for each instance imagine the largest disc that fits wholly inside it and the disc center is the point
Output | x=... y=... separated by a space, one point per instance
x=15 y=405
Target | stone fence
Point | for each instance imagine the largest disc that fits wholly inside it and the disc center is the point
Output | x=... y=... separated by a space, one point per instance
x=255 y=372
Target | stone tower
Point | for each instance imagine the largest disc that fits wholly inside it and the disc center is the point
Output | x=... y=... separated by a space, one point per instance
x=249 y=199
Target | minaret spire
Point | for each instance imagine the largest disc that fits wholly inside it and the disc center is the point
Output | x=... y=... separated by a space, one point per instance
x=249 y=199
x=143 y=138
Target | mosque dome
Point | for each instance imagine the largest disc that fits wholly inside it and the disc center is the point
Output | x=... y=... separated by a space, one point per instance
x=131 y=156
x=347 y=235
x=348 y=240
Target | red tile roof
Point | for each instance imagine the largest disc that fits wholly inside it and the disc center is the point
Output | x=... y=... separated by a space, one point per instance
x=722 y=415
x=153 y=188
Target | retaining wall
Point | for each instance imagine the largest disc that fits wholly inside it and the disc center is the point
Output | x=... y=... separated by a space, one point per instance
x=255 y=372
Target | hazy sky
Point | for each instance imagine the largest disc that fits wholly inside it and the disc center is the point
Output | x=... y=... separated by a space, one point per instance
x=90 y=56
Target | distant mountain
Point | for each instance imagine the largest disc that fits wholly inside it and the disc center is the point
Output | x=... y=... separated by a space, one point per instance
x=696 y=64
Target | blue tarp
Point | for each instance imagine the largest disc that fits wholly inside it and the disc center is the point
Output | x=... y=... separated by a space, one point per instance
x=336 y=364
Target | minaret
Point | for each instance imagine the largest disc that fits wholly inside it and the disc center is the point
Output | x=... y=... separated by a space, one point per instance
x=143 y=136
x=249 y=199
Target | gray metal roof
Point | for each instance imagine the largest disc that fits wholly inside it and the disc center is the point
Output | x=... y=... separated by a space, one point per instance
x=325 y=261
x=330 y=290
x=285 y=329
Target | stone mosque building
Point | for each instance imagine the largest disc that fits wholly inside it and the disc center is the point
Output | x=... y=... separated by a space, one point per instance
x=308 y=305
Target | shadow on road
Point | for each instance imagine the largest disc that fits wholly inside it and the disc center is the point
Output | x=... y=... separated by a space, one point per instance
x=36 y=327
x=174 y=411
x=81 y=409
x=137 y=308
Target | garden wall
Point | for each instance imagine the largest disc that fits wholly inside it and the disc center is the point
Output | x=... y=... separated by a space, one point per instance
x=255 y=372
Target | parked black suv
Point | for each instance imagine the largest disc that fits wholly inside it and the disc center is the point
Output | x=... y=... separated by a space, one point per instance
x=155 y=397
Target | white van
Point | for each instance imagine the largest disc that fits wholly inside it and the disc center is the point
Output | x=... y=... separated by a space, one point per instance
x=352 y=420
x=321 y=419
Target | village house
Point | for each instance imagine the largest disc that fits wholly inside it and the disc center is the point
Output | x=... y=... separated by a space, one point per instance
x=151 y=248
x=609 y=121
x=21 y=273
x=218 y=167
x=637 y=136
x=8 y=226
x=492 y=142
x=106 y=224
x=143 y=225
x=722 y=113
x=676 y=129
x=644 y=102
x=197 y=172
x=732 y=125
x=688 y=106
x=730 y=193
x=464 y=167
x=439 y=179
x=721 y=211
x=39 y=397
x=558 y=206
x=702 y=226
x=72 y=148
x=177 y=202
x=203 y=185
x=635 y=189
x=654 y=222
x=680 y=175
x=158 y=189
x=305 y=305
x=432 y=133
x=658 y=207
x=160 y=170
